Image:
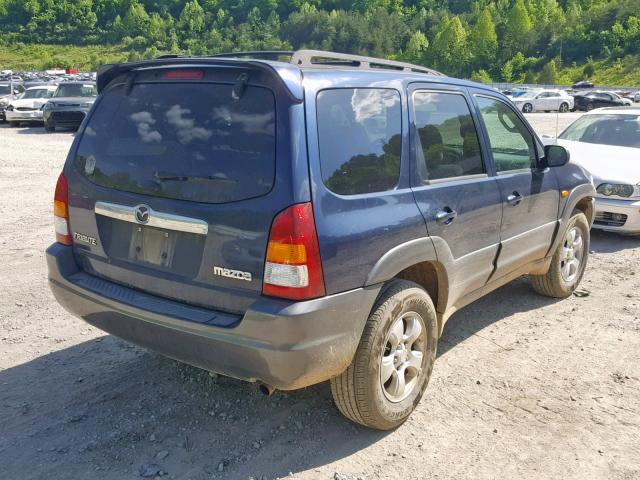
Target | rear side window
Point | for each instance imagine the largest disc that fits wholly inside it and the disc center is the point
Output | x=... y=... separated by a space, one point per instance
x=511 y=141
x=447 y=143
x=184 y=141
x=359 y=132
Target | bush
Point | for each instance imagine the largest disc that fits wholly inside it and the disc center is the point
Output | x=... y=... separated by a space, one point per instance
x=481 y=76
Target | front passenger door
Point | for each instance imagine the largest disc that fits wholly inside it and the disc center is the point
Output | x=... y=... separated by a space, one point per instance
x=529 y=194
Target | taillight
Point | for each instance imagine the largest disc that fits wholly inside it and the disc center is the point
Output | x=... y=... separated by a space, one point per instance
x=61 y=211
x=293 y=268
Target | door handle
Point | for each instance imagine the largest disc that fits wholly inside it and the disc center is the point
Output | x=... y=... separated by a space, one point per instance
x=514 y=199
x=446 y=216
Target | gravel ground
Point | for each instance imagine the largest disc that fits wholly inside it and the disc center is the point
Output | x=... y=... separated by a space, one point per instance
x=524 y=386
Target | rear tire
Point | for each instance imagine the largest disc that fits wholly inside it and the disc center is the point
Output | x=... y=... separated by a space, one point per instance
x=589 y=107
x=398 y=343
x=49 y=128
x=568 y=263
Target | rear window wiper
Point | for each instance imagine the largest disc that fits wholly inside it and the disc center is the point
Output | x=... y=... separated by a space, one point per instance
x=175 y=177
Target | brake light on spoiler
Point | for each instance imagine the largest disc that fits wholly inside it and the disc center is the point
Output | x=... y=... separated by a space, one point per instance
x=183 y=75
x=293 y=268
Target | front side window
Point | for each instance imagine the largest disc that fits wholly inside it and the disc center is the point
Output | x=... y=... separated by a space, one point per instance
x=511 y=142
x=447 y=144
x=359 y=135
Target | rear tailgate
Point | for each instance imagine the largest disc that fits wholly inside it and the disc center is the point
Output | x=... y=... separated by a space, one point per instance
x=176 y=178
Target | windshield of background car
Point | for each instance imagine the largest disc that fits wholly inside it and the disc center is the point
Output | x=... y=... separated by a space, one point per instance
x=76 y=90
x=5 y=90
x=611 y=129
x=184 y=141
x=37 y=93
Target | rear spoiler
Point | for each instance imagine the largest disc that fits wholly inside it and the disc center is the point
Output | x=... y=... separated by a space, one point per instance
x=289 y=76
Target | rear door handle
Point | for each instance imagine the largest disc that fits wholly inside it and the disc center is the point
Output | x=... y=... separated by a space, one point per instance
x=446 y=216
x=514 y=199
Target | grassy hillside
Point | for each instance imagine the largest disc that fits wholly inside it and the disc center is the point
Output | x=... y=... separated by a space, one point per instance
x=621 y=72
x=39 y=57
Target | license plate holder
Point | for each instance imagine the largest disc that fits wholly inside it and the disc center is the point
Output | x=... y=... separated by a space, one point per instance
x=152 y=245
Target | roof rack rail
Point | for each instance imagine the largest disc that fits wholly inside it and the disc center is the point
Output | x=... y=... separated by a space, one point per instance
x=319 y=58
x=264 y=54
x=323 y=59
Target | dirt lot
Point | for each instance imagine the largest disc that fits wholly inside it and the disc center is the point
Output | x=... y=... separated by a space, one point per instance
x=524 y=387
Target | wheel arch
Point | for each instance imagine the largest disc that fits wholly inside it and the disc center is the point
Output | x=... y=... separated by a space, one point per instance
x=416 y=261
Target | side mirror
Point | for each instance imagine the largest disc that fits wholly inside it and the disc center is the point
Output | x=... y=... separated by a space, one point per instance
x=555 y=156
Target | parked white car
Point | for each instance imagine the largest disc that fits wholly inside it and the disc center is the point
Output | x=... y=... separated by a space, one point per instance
x=606 y=142
x=544 y=100
x=28 y=107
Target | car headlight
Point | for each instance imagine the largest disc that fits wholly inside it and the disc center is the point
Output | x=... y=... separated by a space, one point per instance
x=4 y=102
x=619 y=190
x=47 y=106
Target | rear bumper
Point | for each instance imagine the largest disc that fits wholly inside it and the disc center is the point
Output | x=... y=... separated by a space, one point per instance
x=285 y=344
x=609 y=212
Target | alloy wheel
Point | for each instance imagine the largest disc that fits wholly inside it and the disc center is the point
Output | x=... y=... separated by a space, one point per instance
x=401 y=362
x=572 y=254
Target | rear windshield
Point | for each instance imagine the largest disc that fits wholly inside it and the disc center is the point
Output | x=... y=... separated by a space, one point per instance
x=184 y=141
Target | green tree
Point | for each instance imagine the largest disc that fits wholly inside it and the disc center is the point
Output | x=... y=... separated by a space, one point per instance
x=416 y=46
x=191 y=22
x=136 y=21
x=483 y=40
x=549 y=74
x=517 y=28
x=481 y=76
x=450 y=47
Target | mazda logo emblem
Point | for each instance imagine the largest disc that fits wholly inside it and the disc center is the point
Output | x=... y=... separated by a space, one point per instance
x=142 y=213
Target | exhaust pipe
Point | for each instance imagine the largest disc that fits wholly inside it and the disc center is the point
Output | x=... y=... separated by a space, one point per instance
x=267 y=390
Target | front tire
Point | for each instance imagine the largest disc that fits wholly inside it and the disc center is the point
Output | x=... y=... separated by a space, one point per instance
x=527 y=108
x=393 y=363
x=49 y=128
x=14 y=124
x=564 y=107
x=568 y=263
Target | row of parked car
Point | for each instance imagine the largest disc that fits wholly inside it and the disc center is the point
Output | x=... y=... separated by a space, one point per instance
x=553 y=100
x=54 y=105
x=288 y=223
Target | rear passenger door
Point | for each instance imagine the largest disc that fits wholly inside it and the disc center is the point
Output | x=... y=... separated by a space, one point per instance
x=530 y=194
x=456 y=193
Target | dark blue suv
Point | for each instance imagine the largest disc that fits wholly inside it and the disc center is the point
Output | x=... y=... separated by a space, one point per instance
x=288 y=223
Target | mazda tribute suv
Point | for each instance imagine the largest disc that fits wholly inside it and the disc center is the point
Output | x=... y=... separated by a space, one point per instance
x=288 y=218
